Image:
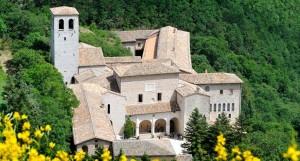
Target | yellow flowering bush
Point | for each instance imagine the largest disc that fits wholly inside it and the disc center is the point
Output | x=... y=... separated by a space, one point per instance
x=18 y=141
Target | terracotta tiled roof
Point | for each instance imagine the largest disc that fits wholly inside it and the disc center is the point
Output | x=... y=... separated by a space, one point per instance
x=153 y=147
x=85 y=75
x=64 y=10
x=188 y=89
x=175 y=45
x=152 y=68
x=159 y=107
x=90 y=55
x=211 y=78
x=123 y=59
x=131 y=36
x=106 y=80
x=90 y=120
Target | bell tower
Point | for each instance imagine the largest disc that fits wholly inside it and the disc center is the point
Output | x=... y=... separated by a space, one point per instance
x=65 y=41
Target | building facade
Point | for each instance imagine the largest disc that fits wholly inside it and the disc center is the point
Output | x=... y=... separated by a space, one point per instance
x=156 y=88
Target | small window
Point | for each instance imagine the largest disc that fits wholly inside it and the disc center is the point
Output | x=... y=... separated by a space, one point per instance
x=108 y=108
x=219 y=107
x=210 y=107
x=65 y=38
x=229 y=115
x=228 y=106
x=71 y=24
x=140 y=98
x=224 y=107
x=158 y=96
x=221 y=91
x=61 y=24
x=215 y=107
x=232 y=107
x=206 y=88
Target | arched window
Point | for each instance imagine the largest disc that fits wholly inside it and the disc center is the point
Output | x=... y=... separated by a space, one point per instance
x=215 y=107
x=85 y=148
x=224 y=107
x=228 y=106
x=71 y=24
x=229 y=115
x=219 y=107
x=232 y=107
x=61 y=24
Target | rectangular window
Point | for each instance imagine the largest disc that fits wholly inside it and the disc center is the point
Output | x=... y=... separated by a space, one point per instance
x=150 y=87
x=140 y=98
x=232 y=107
x=158 y=96
x=215 y=107
x=221 y=91
x=108 y=108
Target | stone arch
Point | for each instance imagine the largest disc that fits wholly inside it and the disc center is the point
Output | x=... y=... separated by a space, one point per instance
x=85 y=149
x=61 y=24
x=174 y=123
x=145 y=127
x=160 y=125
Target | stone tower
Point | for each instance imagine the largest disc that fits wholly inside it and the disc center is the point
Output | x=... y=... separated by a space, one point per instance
x=65 y=41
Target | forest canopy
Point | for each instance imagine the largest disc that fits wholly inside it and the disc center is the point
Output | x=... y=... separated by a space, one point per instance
x=257 y=40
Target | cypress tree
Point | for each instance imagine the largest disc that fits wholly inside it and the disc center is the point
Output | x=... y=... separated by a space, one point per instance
x=195 y=134
x=129 y=129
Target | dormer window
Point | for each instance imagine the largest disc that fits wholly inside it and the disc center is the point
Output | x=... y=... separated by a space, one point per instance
x=61 y=24
x=71 y=24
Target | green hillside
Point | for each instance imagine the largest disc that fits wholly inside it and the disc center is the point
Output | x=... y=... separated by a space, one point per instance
x=257 y=39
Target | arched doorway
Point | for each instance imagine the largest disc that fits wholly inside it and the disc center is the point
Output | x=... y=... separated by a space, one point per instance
x=174 y=125
x=145 y=127
x=160 y=125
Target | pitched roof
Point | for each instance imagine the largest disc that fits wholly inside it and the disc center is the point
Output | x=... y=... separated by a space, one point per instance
x=106 y=80
x=90 y=55
x=123 y=59
x=145 y=68
x=90 y=120
x=188 y=89
x=85 y=75
x=64 y=10
x=130 y=36
x=175 y=45
x=211 y=78
x=153 y=147
x=151 y=108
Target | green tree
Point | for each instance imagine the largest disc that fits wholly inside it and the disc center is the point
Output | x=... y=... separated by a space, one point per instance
x=195 y=135
x=129 y=128
x=145 y=157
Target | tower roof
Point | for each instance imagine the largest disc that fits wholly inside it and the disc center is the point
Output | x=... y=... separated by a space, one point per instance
x=64 y=10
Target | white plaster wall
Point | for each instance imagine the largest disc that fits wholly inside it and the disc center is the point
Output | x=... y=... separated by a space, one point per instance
x=117 y=111
x=64 y=46
x=165 y=84
x=226 y=97
x=195 y=101
x=91 y=144
x=98 y=70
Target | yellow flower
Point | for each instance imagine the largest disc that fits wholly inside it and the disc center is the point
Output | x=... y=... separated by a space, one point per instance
x=38 y=134
x=155 y=160
x=62 y=155
x=24 y=117
x=48 y=128
x=17 y=116
x=79 y=156
x=220 y=149
x=292 y=153
x=221 y=139
x=51 y=145
x=132 y=160
x=24 y=136
x=236 y=150
x=123 y=157
x=106 y=155
x=26 y=126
